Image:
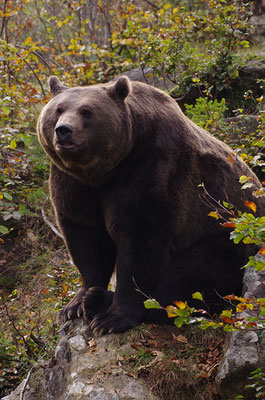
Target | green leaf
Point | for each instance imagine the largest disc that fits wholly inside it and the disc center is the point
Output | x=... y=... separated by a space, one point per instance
x=198 y=296
x=228 y=328
x=7 y=196
x=248 y=240
x=4 y=230
x=237 y=236
x=226 y=313
x=247 y=185
x=151 y=303
x=179 y=321
x=262 y=311
x=244 y=43
x=27 y=140
x=22 y=209
x=6 y=110
x=183 y=313
x=228 y=205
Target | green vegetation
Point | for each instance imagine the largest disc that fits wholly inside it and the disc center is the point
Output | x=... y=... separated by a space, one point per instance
x=198 y=47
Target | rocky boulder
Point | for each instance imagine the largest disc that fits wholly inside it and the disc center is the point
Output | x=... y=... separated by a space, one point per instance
x=84 y=368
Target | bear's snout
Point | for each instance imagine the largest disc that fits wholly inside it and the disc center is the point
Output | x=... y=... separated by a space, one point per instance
x=64 y=137
x=63 y=131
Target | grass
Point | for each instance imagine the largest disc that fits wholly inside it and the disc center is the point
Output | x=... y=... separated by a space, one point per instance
x=178 y=364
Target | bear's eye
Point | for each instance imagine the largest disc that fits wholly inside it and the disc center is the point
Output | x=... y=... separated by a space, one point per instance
x=59 y=111
x=85 y=113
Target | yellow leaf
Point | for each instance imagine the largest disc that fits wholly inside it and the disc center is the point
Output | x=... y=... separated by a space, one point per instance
x=242 y=307
x=251 y=205
x=28 y=40
x=214 y=214
x=244 y=178
x=64 y=287
x=180 y=304
x=171 y=311
x=59 y=24
x=13 y=144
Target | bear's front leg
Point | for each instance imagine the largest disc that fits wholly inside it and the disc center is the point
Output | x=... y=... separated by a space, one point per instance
x=93 y=253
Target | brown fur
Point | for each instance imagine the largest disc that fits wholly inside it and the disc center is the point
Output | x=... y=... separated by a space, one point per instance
x=124 y=185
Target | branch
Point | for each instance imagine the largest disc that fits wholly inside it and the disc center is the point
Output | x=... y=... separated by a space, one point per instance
x=4 y=19
x=37 y=55
x=34 y=73
x=21 y=397
x=47 y=222
x=152 y=4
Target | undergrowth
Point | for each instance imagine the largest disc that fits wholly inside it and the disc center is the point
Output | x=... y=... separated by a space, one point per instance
x=176 y=363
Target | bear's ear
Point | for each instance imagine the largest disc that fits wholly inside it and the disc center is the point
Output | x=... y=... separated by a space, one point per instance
x=121 y=88
x=55 y=85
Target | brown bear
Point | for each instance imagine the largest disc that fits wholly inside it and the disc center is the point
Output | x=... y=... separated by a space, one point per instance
x=125 y=174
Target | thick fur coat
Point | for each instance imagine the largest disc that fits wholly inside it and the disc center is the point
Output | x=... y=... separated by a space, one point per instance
x=125 y=175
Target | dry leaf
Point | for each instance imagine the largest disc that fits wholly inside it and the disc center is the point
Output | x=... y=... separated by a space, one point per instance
x=181 y=338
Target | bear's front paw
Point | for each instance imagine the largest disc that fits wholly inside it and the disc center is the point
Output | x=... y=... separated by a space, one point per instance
x=96 y=300
x=73 y=309
x=113 y=321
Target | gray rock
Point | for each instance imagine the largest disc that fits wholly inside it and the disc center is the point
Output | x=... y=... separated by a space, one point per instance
x=258 y=22
x=84 y=368
x=244 y=350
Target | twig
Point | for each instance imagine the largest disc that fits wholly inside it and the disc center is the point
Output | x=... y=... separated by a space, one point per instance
x=152 y=4
x=14 y=326
x=34 y=73
x=210 y=201
x=4 y=19
x=47 y=222
x=25 y=384
x=37 y=55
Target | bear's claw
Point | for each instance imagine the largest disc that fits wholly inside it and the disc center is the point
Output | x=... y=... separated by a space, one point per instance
x=73 y=309
x=96 y=300
x=109 y=322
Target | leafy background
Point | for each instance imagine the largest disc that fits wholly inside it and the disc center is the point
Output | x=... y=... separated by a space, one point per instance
x=198 y=48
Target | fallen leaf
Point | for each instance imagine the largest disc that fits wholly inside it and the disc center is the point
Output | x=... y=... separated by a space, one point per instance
x=120 y=358
x=181 y=338
x=92 y=343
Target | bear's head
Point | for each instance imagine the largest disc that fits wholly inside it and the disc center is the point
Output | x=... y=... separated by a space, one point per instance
x=87 y=131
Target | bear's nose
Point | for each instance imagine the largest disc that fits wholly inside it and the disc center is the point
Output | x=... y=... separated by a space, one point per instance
x=63 y=131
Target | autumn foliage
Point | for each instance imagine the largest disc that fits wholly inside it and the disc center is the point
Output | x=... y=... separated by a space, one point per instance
x=197 y=46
